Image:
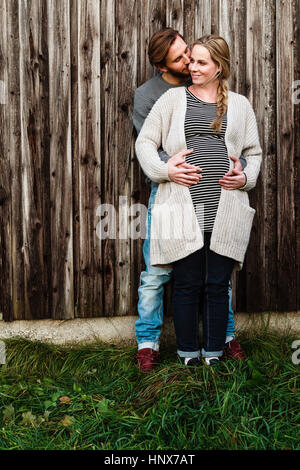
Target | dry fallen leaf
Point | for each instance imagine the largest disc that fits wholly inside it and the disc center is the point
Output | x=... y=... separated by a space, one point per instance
x=67 y=421
x=65 y=400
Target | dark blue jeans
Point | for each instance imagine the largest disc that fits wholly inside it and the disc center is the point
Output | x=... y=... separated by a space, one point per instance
x=201 y=286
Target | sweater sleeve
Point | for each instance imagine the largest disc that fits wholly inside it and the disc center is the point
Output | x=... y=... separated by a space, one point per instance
x=141 y=109
x=251 y=150
x=147 y=145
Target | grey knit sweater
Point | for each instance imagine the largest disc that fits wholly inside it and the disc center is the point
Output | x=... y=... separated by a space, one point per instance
x=175 y=232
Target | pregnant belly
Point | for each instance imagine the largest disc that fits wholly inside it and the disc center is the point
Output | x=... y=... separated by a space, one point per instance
x=210 y=154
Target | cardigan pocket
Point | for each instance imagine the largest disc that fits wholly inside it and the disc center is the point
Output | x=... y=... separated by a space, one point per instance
x=174 y=213
x=233 y=223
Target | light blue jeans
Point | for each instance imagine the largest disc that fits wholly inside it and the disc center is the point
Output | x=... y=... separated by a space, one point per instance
x=151 y=295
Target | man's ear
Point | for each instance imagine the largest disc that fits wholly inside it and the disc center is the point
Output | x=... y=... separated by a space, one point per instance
x=161 y=69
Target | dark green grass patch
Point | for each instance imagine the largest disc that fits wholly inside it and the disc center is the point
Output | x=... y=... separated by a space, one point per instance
x=94 y=397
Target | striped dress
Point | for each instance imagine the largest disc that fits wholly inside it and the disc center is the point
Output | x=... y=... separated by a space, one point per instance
x=210 y=154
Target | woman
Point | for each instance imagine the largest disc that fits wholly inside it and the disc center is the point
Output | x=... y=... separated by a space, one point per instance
x=204 y=229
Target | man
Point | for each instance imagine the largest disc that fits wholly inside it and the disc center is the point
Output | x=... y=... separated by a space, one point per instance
x=169 y=53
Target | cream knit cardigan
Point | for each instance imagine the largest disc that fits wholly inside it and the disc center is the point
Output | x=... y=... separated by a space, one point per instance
x=175 y=232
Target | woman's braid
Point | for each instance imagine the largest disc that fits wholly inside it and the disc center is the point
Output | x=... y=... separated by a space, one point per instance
x=222 y=101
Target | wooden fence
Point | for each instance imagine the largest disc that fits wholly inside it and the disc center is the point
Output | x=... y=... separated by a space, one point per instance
x=68 y=71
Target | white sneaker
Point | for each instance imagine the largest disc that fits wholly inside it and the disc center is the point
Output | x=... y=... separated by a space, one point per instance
x=212 y=361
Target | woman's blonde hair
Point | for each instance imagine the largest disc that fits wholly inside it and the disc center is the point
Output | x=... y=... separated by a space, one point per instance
x=219 y=52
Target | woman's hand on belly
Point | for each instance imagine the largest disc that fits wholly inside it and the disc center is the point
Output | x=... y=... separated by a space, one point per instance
x=181 y=172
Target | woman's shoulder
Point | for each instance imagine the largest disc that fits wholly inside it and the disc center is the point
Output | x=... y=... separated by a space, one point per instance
x=172 y=94
x=164 y=105
x=238 y=99
x=175 y=90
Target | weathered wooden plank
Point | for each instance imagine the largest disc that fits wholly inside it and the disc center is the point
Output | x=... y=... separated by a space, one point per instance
x=90 y=274
x=14 y=106
x=126 y=82
x=43 y=59
x=190 y=19
x=6 y=309
x=151 y=18
x=202 y=19
x=60 y=160
x=232 y=26
x=255 y=263
x=36 y=282
x=268 y=170
x=108 y=143
x=296 y=16
x=286 y=253
x=74 y=48
x=215 y=16
x=174 y=14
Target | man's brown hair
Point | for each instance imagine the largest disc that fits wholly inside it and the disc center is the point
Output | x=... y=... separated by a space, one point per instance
x=160 y=44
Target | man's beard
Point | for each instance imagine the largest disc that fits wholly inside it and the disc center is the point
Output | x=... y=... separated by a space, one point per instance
x=179 y=74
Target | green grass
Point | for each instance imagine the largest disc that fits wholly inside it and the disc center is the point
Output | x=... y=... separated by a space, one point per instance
x=111 y=406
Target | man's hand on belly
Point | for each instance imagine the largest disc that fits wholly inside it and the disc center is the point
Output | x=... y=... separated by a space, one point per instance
x=237 y=164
